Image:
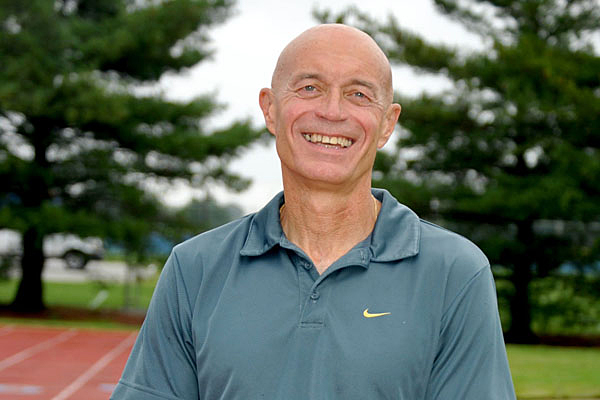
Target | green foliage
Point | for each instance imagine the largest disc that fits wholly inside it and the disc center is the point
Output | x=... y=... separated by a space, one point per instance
x=510 y=155
x=565 y=306
x=81 y=150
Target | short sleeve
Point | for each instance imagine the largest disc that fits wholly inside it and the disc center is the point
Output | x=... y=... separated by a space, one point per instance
x=471 y=362
x=162 y=363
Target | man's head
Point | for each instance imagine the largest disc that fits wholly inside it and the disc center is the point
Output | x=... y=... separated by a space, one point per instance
x=330 y=105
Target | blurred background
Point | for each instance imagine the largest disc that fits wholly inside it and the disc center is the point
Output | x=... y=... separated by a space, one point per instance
x=127 y=126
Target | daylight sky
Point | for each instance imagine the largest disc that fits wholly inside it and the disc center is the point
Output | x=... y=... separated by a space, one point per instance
x=246 y=48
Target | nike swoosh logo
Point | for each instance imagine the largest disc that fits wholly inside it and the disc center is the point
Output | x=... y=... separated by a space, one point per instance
x=367 y=314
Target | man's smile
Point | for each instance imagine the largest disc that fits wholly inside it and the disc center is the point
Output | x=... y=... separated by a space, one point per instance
x=328 y=141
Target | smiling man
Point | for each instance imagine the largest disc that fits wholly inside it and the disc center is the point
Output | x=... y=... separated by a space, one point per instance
x=334 y=290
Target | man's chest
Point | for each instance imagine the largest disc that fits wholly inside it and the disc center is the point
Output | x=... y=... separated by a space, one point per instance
x=290 y=333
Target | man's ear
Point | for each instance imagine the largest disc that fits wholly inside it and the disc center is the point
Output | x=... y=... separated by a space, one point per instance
x=389 y=123
x=266 y=99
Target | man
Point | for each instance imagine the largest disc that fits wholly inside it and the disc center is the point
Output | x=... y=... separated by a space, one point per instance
x=333 y=290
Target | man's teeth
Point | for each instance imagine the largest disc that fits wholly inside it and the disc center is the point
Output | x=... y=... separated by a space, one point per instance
x=332 y=140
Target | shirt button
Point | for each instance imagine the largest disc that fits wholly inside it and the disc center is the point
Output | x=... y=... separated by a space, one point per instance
x=314 y=296
x=306 y=266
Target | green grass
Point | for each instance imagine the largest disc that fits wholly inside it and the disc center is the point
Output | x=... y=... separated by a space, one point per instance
x=118 y=296
x=78 y=304
x=542 y=372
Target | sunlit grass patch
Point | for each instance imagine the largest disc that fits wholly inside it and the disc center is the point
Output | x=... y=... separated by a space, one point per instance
x=555 y=372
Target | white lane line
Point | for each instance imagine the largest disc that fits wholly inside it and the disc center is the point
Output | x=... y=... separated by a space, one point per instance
x=99 y=299
x=27 y=390
x=6 y=329
x=94 y=369
x=30 y=351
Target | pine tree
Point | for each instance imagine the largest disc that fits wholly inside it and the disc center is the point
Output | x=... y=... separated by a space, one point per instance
x=81 y=146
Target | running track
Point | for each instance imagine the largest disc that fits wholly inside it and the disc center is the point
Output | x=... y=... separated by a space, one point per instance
x=60 y=364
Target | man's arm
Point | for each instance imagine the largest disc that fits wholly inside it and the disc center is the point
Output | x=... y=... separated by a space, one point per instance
x=471 y=362
x=162 y=364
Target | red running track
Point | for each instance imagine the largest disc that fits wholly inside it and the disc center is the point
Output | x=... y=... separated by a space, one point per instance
x=60 y=364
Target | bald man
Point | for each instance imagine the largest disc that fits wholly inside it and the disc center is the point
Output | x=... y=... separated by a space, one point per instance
x=333 y=290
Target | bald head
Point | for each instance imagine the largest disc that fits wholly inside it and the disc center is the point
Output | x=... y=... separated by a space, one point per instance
x=332 y=38
x=330 y=107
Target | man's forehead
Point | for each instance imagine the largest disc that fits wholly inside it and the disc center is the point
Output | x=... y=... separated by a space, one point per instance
x=318 y=46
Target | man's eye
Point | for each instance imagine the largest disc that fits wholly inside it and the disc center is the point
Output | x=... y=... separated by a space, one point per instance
x=309 y=88
x=359 y=96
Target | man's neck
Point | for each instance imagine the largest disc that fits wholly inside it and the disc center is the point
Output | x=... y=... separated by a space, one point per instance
x=327 y=224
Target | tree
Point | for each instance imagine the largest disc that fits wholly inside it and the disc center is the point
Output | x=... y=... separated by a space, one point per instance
x=510 y=155
x=199 y=216
x=82 y=149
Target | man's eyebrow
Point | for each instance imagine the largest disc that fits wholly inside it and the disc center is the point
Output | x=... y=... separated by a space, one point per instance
x=361 y=82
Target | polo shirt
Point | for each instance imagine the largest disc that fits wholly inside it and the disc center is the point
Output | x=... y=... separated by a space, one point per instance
x=240 y=312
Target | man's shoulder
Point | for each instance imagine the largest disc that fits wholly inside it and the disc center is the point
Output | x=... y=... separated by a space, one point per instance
x=450 y=248
x=451 y=262
x=432 y=233
x=403 y=234
x=230 y=236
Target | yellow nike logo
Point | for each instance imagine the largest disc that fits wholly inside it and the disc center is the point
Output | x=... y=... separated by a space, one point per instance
x=367 y=314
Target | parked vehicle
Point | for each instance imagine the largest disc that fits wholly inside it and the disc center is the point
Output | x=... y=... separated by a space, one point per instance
x=75 y=251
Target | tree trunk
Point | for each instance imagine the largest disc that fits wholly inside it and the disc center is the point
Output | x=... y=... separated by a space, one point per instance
x=520 y=304
x=520 y=307
x=29 y=296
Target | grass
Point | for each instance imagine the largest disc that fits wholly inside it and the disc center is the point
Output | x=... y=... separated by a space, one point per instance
x=117 y=296
x=88 y=294
x=97 y=305
x=542 y=372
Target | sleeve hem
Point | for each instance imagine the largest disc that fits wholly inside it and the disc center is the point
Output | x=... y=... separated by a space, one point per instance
x=125 y=390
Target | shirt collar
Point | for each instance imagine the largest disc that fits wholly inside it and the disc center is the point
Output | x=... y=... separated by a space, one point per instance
x=395 y=236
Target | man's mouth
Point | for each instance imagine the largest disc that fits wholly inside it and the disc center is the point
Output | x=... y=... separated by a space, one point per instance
x=328 y=141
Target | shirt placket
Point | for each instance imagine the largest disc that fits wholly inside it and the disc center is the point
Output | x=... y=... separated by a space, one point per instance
x=312 y=297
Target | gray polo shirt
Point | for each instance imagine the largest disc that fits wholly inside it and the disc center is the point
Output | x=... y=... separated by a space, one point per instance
x=241 y=313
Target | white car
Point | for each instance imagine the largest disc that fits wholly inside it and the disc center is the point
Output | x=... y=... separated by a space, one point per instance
x=75 y=251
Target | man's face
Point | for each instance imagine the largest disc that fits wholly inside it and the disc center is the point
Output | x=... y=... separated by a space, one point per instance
x=329 y=109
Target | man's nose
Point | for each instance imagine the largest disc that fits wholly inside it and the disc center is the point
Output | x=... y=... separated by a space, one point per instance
x=332 y=106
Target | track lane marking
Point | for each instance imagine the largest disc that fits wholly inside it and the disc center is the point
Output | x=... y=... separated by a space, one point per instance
x=6 y=329
x=94 y=369
x=30 y=351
